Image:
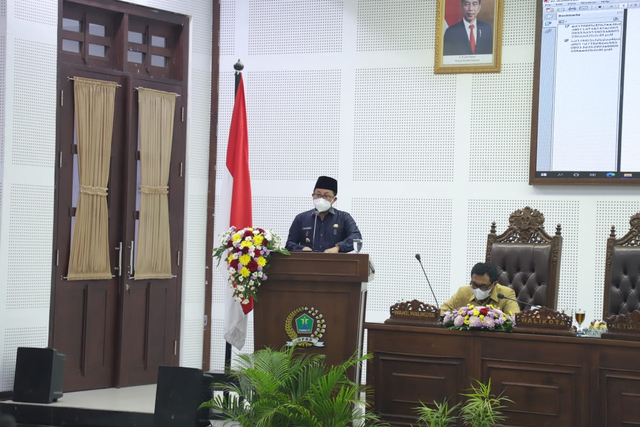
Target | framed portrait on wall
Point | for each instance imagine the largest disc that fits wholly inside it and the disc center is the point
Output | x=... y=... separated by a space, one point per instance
x=468 y=36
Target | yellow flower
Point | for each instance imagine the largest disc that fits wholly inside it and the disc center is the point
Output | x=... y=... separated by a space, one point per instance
x=244 y=271
x=246 y=244
x=466 y=320
x=481 y=317
x=461 y=312
x=244 y=259
x=236 y=237
x=258 y=239
x=470 y=306
x=250 y=228
x=230 y=258
x=475 y=312
x=262 y=261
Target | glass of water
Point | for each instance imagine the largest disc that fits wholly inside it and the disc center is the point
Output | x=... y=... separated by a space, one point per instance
x=357 y=245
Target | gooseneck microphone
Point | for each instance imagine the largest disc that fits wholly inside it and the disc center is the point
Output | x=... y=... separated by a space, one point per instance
x=428 y=283
x=502 y=296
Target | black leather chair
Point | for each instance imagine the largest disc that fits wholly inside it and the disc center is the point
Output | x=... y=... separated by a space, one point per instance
x=527 y=258
x=622 y=271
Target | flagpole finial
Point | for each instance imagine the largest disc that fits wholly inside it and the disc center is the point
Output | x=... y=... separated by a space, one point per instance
x=238 y=66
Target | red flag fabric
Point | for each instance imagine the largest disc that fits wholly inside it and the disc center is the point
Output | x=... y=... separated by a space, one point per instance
x=235 y=210
x=452 y=12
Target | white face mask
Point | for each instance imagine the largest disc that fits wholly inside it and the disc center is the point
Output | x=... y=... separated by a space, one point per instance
x=321 y=204
x=480 y=294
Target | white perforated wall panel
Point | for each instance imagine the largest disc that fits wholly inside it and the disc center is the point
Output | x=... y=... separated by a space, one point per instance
x=483 y=212
x=400 y=229
x=227 y=27
x=34 y=95
x=191 y=355
x=294 y=123
x=500 y=125
x=225 y=110
x=518 y=28
x=609 y=213
x=404 y=125
x=28 y=278
x=279 y=27
x=193 y=283
x=395 y=25
x=42 y=11
x=3 y=42
x=198 y=160
x=12 y=339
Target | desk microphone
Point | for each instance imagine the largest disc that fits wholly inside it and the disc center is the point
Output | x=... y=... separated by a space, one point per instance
x=501 y=296
x=428 y=283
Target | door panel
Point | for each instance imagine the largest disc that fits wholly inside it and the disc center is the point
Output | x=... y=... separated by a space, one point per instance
x=85 y=312
x=151 y=308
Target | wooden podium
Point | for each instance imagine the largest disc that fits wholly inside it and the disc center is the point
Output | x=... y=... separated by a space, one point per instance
x=315 y=300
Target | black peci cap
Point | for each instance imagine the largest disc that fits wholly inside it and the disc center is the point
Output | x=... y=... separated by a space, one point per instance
x=327 y=183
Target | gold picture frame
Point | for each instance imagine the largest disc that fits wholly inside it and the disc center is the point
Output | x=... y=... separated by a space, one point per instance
x=458 y=52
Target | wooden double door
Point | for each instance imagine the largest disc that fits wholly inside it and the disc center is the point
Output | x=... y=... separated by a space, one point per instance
x=115 y=332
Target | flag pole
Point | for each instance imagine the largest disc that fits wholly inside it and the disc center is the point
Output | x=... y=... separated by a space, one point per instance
x=238 y=66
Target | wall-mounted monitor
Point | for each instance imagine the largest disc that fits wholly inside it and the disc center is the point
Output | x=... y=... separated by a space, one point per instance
x=586 y=103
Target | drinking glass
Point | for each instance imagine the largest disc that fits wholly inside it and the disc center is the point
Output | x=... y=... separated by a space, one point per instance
x=579 y=313
x=357 y=245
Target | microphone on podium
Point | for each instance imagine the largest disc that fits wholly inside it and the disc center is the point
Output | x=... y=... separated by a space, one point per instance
x=428 y=283
x=502 y=296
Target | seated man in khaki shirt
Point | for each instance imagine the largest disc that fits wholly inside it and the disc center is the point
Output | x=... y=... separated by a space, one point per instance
x=483 y=290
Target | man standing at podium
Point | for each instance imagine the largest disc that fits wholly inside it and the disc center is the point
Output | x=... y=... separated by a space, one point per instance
x=324 y=228
x=483 y=290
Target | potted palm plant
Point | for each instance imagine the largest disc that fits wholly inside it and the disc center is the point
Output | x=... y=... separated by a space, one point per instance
x=283 y=389
x=481 y=409
x=440 y=416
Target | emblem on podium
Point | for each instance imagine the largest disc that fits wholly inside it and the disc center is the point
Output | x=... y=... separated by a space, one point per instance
x=305 y=326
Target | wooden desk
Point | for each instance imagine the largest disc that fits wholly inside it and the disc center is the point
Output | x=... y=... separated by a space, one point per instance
x=553 y=381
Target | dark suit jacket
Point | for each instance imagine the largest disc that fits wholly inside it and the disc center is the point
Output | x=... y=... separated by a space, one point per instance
x=456 y=41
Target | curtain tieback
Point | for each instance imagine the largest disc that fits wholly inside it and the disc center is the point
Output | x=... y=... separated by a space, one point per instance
x=93 y=191
x=148 y=189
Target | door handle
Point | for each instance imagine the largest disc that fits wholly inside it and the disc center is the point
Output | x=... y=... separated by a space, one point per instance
x=131 y=259
x=119 y=267
x=127 y=288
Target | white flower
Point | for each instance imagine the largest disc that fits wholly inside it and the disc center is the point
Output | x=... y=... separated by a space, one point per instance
x=232 y=270
x=245 y=301
x=268 y=235
x=238 y=299
x=240 y=288
x=259 y=273
x=251 y=283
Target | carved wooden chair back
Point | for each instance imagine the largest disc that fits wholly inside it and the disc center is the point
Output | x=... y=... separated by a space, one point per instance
x=622 y=271
x=527 y=258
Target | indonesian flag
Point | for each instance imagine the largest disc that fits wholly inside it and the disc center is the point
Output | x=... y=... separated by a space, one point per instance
x=452 y=13
x=235 y=210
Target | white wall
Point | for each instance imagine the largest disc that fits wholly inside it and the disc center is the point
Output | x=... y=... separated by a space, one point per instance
x=28 y=62
x=346 y=88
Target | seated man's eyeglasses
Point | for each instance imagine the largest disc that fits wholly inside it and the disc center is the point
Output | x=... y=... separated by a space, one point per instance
x=327 y=197
x=481 y=287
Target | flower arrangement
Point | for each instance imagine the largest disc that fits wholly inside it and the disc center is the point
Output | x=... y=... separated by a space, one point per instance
x=598 y=324
x=247 y=253
x=479 y=317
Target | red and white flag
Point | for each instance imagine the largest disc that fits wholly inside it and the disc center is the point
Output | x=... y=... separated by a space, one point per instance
x=452 y=13
x=235 y=210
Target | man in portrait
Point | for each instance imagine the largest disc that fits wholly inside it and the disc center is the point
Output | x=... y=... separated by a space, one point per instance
x=469 y=36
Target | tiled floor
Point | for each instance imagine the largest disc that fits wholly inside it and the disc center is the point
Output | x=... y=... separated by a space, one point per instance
x=128 y=399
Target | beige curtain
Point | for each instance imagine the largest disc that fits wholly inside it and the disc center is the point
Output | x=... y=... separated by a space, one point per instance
x=156 y=115
x=94 y=108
